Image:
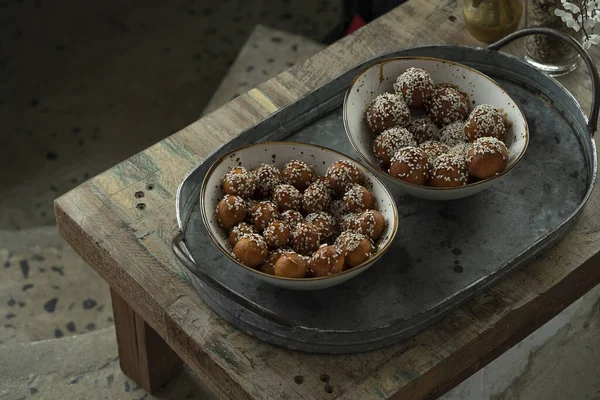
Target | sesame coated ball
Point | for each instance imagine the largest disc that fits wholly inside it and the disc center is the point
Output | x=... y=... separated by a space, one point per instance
x=386 y=111
x=305 y=238
x=411 y=165
x=343 y=173
x=238 y=231
x=486 y=157
x=239 y=182
x=485 y=121
x=286 y=197
x=231 y=210
x=267 y=178
x=277 y=234
x=448 y=171
x=356 y=247
x=389 y=142
x=251 y=250
x=298 y=174
x=415 y=86
x=358 y=198
x=447 y=105
x=263 y=214
x=327 y=260
x=371 y=224
x=291 y=265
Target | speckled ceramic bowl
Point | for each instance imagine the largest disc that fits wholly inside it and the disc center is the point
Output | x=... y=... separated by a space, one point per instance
x=278 y=153
x=379 y=78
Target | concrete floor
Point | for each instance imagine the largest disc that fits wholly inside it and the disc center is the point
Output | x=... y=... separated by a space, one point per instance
x=80 y=91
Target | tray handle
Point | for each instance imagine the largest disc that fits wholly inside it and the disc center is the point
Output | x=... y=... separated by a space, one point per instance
x=181 y=252
x=591 y=66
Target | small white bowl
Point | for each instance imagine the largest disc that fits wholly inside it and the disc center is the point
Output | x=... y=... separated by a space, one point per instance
x=277 y=154
x=379 y=78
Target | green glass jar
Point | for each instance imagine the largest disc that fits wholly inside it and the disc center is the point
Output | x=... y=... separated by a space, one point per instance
x=491 y=20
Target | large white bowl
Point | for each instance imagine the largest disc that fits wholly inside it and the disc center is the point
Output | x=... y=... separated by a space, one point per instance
x=278 y=153
x=379 y=78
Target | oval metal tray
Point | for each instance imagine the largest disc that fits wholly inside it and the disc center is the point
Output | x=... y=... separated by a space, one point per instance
x=445 y=252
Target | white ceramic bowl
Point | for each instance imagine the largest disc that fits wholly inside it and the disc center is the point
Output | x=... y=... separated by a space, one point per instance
x=278 y=153
x=379 y=78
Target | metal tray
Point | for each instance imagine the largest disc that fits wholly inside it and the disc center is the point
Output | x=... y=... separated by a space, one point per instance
x=444 y=252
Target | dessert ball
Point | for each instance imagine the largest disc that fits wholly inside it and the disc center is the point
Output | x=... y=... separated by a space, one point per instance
x=355 y=247
x=337 y=209
x=263 y=214
x=463 y=93
x=239 y=182
x=448 y=171
x=324 y=223
x=423 y=129
x=386 y=111
x=371 y=224
x=287 y=197
x=240 y=229
x=459 y=150
x=485 y=121
x=267 y=178
x=291 y=265
x=291 y=217
x=317 y=197
x=298 y=174
x=486 y=157
x=446 y=105
x=251 y=250
x=305 y=238
x=415 y=85
x=341 y=174
x=268 y=266
x=453 y=134
x=277 y=234
x=327 y=260
x=231 y=210
x=411 y=165
x=389 y=142
x=358 y=198
x=433 y=149
x=349 y=222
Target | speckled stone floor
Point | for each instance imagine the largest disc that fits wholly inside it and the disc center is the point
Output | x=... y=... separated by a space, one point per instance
x=84 y=86
x=83 y=89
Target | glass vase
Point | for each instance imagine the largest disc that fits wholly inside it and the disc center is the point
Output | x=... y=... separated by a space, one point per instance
x=491 y=20
x=547 y=53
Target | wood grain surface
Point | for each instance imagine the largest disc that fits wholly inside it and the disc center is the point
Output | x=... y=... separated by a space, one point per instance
x=129 y=246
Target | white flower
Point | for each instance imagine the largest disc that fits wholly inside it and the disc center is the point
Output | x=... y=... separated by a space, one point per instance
x=587 y=44
x=571 y=7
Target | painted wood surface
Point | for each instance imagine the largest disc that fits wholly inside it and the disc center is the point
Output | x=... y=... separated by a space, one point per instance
x=126 y=238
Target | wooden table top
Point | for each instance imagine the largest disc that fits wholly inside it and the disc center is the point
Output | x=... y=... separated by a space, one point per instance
x=129 y=246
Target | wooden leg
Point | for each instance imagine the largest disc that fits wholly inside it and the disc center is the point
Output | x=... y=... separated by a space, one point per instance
x=143 y=354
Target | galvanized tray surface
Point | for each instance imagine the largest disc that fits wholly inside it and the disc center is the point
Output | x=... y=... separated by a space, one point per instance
x=444 y=252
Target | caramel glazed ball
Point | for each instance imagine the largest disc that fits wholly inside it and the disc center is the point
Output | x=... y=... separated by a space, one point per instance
x=251 y=250
x=389 y=142
x=231 y=210
x=415 y=86
x=484 y=121
x=446 y=105
x=341 y=174
x=290 y=265
x=486 y=157
x=386 y=111
x=239 y=182
x=410 y=164
x=327 y=260
x=357 y=248
x=298 y=174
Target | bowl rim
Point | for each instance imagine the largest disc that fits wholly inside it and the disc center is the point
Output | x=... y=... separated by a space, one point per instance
x=227 y=252
x=378 y=170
